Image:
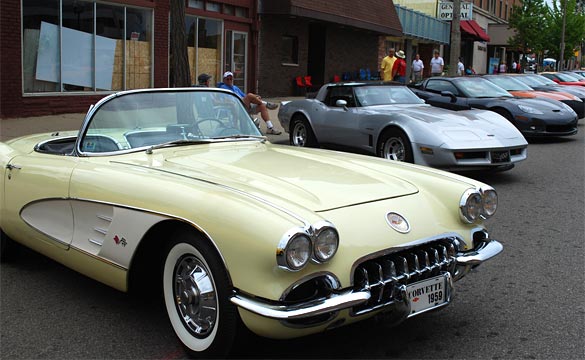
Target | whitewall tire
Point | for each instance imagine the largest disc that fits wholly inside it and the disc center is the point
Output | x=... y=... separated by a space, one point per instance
x=196 y=294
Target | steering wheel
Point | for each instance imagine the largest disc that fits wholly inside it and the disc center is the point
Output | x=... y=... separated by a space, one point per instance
x=215 y=127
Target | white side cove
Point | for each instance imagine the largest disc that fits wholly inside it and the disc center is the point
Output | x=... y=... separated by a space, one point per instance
x=104 y=230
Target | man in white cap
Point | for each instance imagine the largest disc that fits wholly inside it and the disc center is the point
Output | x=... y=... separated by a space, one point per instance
x=252 y=101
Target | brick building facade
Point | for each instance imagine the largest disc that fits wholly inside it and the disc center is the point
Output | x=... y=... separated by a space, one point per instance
x=61 y=56
x=330 y=38
x=57 y=55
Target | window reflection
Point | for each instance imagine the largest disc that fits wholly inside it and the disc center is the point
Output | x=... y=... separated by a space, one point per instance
x=106 y=49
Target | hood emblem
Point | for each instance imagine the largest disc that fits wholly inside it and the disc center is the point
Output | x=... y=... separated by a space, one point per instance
x=398 y=222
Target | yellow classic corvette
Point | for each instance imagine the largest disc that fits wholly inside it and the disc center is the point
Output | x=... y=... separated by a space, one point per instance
x=176 y=192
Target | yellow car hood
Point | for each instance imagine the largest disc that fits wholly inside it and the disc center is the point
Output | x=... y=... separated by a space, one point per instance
x=315 y=179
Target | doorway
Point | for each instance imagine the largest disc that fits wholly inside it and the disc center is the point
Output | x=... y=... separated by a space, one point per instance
x=236 y=57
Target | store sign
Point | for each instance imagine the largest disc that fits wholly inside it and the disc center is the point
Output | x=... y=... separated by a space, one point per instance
x=445 y=10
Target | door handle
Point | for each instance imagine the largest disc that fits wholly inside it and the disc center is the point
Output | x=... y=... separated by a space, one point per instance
x=12 y=167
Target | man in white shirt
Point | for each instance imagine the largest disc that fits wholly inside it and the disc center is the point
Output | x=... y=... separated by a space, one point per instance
x=460 y=67
x=417 y=68
x=437 y=64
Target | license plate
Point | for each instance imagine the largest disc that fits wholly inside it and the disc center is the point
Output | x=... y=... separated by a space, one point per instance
x=500 y=156
x=426 y=294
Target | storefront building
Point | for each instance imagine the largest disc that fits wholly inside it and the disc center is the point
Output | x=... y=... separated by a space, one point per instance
x=325 y=40
x=60 y=56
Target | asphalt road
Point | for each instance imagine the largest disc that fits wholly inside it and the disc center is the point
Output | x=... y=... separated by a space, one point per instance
x=527 y=303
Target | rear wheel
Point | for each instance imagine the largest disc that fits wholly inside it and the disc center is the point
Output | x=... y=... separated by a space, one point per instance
x=395 y=145
x=196 y=292
x=301 y=133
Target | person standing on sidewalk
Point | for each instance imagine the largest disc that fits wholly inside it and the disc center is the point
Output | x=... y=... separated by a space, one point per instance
x=254 y=103
x=399 y=68
x=437 y=64
x=387 y=65
x=417 y=68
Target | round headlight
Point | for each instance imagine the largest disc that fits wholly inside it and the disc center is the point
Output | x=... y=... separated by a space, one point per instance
x=298 y=252
x=471 y=206
x=490 y=203
x=326 y=244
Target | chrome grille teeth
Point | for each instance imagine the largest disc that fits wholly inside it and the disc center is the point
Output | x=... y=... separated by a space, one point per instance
x=383 y=276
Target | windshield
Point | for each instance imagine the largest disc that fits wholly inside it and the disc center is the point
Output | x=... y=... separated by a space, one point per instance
x=508 y=83
x=568 y=77
x=478 y=88
x=385 y=95
x=152 y=117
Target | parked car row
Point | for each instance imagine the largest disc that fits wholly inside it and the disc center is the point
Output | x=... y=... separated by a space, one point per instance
x=390 y=121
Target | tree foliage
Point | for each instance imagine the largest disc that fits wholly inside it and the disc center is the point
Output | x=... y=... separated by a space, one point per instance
x=574 y=28
x=539 y=27
x=530 y=21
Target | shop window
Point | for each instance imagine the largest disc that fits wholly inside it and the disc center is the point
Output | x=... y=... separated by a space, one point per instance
x=97 y=47
x=229 y=9
x=196 y=4
x=212 y=6
x=204 y=39
x=289 y=50
x=241 y=12
x=138 y=48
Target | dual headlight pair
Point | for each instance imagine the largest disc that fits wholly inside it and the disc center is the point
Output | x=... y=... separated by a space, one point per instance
x=478 y=204
x=317 y=243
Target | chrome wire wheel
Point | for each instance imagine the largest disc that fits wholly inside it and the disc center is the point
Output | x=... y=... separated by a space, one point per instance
x=299 y=134
x=394 y=149
x=191 y=297
x=195 y=295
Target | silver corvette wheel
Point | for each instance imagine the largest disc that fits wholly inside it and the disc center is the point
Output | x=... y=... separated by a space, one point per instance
x=394 y=149
x=301 y=134
x=395 y=145
x=193 y=286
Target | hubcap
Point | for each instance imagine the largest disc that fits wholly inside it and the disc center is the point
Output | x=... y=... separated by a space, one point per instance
x=195 y=296
x=394 y=149
x=299 y=135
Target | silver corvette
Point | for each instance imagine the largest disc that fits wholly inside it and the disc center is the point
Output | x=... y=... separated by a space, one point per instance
x=390 y=121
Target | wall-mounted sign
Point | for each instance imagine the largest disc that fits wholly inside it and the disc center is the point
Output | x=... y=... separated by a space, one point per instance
x=445 y=10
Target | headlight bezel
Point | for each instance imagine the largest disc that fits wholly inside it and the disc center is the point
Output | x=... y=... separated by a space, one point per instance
x=484 y=198
x=529 y=110
x=314 y=234
x=321 y=229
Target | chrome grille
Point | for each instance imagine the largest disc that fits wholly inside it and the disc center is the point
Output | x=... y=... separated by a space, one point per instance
x=382 y=276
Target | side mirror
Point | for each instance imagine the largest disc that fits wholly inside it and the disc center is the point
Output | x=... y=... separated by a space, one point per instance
x=341 y=103
x=450 y=95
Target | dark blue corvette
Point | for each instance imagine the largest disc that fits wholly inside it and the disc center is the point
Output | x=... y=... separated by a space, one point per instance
x=533 y=117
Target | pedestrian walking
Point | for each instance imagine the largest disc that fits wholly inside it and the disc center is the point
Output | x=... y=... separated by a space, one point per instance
x=460 y=67
x=417 y=68
x=399 y=68
x=437 y=64
x=387 y=65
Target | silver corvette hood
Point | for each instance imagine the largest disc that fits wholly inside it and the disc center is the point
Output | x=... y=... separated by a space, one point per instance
x=468 y=125
x=314 y=179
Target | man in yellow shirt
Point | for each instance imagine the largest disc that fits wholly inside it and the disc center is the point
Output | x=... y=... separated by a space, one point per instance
x=387 y=64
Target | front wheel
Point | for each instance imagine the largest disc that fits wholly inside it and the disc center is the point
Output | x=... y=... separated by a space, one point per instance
x=395 y=145
x=301 y=133
x=196 y=293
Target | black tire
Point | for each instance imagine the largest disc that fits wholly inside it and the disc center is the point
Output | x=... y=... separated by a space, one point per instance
x=395 y=145
x=301 y=134
x=196 y=292
x=505 y=113
x=5 y=245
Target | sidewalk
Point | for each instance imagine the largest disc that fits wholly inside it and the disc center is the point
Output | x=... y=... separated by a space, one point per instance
x=15 y=127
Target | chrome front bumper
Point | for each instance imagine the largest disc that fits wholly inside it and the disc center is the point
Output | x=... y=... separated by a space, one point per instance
x=350 y=298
